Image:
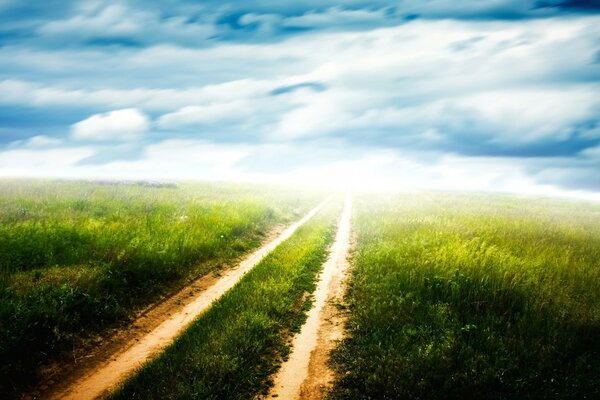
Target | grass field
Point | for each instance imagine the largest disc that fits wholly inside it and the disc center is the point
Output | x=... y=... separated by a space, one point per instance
x=77 y=257
x=231 y=350
x=473 y=296
x=451 y=296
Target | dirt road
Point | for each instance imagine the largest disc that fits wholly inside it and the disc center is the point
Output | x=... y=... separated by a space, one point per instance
x=306 y=375
x=99 y=379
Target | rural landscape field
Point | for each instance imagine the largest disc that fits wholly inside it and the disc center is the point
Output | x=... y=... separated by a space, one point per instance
x=76 y=258
x=300 y=200
x=445 y=295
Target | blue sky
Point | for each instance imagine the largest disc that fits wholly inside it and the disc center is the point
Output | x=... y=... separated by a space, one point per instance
x=499 y=95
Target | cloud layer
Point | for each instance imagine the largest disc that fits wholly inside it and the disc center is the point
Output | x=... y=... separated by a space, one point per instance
x=118 y=125
x=496 y=95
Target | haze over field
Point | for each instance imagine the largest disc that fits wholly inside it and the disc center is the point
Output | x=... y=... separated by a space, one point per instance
x=499 y=95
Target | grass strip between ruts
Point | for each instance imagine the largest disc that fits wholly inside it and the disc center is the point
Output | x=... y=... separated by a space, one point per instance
x=231 y=350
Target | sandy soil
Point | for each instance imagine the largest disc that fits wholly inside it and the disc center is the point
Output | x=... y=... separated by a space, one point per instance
x=99 y=372
x=306 y=374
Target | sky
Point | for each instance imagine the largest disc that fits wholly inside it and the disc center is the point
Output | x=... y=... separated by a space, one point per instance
x=490 y=95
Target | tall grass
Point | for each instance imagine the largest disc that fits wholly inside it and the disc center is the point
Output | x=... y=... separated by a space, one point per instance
x=473 y=296
x=231 y=350
x=76 y=257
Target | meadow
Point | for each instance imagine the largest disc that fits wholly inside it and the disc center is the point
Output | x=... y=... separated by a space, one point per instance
x=79 y=257
x=450 y=296
x=472 y=296
x=231 y=351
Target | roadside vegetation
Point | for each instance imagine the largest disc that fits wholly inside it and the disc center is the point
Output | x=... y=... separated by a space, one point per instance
x=231 y=351
x=78 y=257
x=473 y=296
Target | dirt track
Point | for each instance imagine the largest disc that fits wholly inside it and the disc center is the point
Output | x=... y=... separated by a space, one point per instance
x=306 y=374
x=118 y=359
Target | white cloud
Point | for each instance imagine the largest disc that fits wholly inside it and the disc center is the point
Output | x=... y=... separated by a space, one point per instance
x=118 y=125
x=189 y=159
x=533 y=114
x=335 y=16
x=121 y=22
x=42 y=162
x=593 y=133
x=265 y=22
x=38 y=142
x=114 y=19
x=409 y=88
x=418 y=61
x=318 y=164
x=209 y=114
x=13 y=91
x=593 y=153
x=172 y=159
x=317 y=114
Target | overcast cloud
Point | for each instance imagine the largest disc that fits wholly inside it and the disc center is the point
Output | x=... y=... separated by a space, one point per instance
x=480 y=95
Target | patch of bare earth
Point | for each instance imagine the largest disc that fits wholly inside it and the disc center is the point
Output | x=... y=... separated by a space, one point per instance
x=96 y=372
x=306 y=374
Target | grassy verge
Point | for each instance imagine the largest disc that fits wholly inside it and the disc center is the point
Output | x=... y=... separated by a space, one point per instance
x=230 y=351
x=457 y=296
x=78 y=257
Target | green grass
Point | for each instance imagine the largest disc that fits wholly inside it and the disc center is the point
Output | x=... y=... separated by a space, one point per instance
x=473 y=296
x=231 y=350
x=76 y=257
